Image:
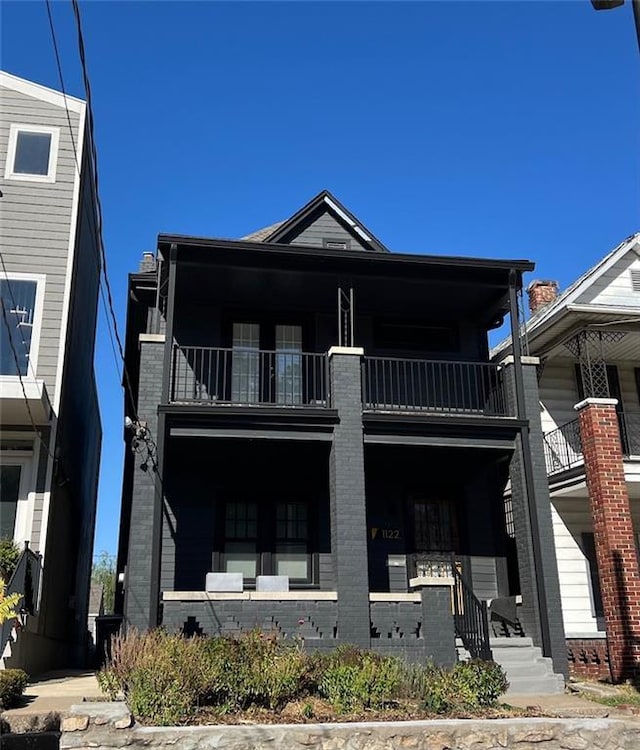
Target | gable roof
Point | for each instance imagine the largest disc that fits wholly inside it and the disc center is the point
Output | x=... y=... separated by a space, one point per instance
x=324 y=201
x=44 y=94
x=564 y=303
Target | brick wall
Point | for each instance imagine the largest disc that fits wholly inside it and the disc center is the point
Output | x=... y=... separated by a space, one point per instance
x=588 y=658
x=616 y=553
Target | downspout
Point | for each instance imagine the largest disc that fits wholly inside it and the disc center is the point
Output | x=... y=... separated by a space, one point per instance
x=527 y=464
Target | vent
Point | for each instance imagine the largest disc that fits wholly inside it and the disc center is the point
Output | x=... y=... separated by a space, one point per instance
x=336 y=244
x=635 y=279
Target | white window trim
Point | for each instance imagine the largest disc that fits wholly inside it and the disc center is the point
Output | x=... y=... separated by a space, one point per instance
x=16 y=128
x=40 y=279
x=26 y=493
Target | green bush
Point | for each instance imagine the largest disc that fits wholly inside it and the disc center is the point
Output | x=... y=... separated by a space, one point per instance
x=9 y=555
x=165 y=678
x=466 y=687
x=352 y=679
x=12 y=685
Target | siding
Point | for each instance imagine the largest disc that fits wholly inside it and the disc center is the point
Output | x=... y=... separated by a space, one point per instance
x=558 y=394
x=614 y=286
x=326 y=227
x=571 y=518
x=36 y=218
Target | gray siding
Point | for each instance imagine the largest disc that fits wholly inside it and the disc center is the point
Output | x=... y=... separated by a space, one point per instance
x=36 y=218
x=326 y=227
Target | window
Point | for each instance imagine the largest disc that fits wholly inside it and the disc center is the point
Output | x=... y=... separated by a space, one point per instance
x=32 y=153
x=9 y=495
x=267 y=538
x=22 y=301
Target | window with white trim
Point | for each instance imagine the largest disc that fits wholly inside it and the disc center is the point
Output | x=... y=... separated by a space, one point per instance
x=22 y=297
x=32 y=153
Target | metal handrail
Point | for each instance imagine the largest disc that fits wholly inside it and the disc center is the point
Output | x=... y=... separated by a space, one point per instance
x=241 y=375
x=563 y=447
x=470 y=617
x=391 y=384
x=25 y=581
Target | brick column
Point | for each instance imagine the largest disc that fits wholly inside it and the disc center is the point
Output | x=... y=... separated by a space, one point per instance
x=140 y=602
x=616 y=553
x=347 y=498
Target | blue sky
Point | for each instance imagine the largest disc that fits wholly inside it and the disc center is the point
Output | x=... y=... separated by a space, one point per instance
x=500 y=129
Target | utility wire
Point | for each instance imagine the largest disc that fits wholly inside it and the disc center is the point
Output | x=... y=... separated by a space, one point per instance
x=111 y=320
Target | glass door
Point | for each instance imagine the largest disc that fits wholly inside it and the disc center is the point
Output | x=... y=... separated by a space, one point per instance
x=9 y=496
x=245 y=363
x=288 y=371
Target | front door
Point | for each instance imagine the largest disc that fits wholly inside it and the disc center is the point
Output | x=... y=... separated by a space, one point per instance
x=266 y=364
x=434 y=535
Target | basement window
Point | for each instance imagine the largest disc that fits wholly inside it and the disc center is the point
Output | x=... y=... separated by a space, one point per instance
x=32 y=153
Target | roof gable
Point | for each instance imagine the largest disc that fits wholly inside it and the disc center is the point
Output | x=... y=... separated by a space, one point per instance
x=44 y=94
x=325 y=218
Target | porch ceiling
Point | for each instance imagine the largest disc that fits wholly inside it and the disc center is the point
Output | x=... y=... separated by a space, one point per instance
x=316 y=291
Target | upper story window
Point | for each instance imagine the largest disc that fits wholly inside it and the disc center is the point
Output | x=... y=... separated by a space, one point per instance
x=32 y=153
x=20 y=324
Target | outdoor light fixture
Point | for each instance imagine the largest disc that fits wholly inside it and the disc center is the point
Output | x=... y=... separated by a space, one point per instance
x=609 y=4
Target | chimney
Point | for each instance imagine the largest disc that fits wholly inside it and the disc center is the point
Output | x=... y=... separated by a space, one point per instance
x=541 y=293
x=148 y=262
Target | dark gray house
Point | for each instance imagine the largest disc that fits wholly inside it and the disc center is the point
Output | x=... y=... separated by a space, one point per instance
x=320 y=446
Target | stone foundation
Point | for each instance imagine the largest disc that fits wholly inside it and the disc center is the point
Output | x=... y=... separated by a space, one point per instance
x=103 y=726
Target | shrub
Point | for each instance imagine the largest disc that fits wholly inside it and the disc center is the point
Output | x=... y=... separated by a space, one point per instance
x=468 y=686
x=12 y=685
x=351 y=678
x=9 y=555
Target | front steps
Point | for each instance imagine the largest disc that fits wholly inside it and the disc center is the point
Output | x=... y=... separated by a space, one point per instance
x=528 y=671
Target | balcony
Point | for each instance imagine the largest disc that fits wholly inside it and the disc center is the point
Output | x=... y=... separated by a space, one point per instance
x=246 y=376
x=415 y=385
x=563 y=446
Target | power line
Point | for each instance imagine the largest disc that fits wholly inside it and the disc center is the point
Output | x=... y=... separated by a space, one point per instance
x=94 y=221
x=143 y=434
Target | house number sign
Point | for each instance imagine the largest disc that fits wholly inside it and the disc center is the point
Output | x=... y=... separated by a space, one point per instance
x=378 y=533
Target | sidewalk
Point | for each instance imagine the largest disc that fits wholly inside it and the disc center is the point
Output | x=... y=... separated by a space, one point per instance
x=52 y=693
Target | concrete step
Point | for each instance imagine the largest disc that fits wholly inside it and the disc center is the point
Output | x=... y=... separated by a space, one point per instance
x=552 y=684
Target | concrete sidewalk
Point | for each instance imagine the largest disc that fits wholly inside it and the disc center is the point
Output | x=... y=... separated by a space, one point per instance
x=53 y=693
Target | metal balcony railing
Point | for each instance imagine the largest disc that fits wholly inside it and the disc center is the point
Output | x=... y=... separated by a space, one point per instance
x=207 y=375
x=630 y=433
x=563 y=448
x=434 y=385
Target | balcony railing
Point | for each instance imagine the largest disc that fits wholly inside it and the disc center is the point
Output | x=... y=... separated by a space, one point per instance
x=563 y=448
x=630 y=433
x=205 y=375
x=434 y=386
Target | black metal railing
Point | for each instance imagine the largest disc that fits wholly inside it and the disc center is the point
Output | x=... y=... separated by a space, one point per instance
x=630 y=433
x=208 y=375
x=434 y=385
x=470 y=616
x=563 y=447
x=25 y=581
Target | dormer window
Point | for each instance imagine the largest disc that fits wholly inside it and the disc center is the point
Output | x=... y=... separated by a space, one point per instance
x=32 y=153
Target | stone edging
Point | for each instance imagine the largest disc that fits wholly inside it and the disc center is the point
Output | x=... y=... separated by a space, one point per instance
x=103 y=726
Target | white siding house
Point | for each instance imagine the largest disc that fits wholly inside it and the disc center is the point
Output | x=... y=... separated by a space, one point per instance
x=49 y=421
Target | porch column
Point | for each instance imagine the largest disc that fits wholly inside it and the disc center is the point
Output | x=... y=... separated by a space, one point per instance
x=616 y=553
x=141 y=580
x=347 y=498
x=537 y=565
